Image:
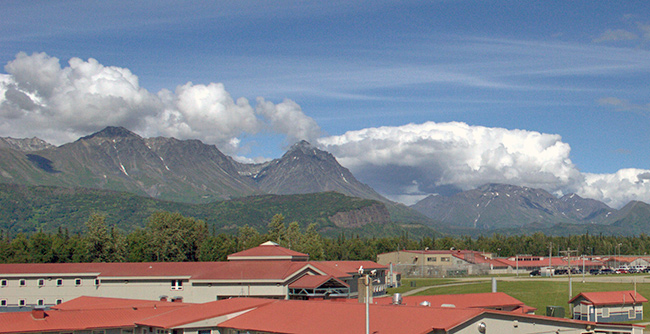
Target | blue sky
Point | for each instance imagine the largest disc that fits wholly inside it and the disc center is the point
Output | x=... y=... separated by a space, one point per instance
x=344 y=74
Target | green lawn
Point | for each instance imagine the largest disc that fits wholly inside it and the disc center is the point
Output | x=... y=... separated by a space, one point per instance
x=419 y=282
x=540 y=294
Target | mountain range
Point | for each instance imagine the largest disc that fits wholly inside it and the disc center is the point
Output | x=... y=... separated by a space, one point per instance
x=191 y=172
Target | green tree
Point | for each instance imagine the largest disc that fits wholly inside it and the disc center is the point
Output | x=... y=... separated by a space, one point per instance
x=40 y=245
x=248 y=237
x=97 y=239
x=175 y=237
x=277 y=231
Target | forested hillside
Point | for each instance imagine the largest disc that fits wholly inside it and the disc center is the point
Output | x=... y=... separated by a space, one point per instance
x=29 y=209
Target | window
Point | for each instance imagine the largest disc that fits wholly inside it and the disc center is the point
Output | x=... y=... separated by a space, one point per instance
x=59 y=282
x=3 y=283
x=59 y=301
x=3 y=302
x=77 y=281
x=605 y=312
x=41 y=282
x=97 y=282
x=205 y=331
x=21 y=302
x=23 y=282
x=631 y=313
x=41 y=302
x=445 y=259
x=432 y=259
x=177 y=284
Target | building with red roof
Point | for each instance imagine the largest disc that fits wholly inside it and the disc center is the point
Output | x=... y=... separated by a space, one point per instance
x=454 y=262
x=267 y=271
x=261 y=316
x=608 y=306
x=440 y=263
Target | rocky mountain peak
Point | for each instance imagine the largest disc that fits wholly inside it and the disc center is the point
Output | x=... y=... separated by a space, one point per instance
x=112 y=132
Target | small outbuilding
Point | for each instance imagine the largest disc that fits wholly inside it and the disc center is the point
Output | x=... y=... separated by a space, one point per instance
x=608 y=306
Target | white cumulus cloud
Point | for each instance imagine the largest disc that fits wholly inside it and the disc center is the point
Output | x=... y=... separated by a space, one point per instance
x=617 y=189
x=287 y=117
x=39 y=97
x=408 y=162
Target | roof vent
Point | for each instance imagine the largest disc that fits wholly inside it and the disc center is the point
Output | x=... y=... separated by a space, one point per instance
x=38 y=313
x=425 y=304
x=397 y=299
x=447 y=305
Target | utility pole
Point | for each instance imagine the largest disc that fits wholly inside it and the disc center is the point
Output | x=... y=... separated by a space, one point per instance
x=568 y=254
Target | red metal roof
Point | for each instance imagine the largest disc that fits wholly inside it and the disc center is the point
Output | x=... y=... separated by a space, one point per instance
x=198 y=312
x=105 y=303
x=468 y=300
x=611 y=297
x=241 y=270
x=62 y=319
x=328 y=317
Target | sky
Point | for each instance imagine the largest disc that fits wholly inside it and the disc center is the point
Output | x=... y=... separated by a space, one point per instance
x=416 y=98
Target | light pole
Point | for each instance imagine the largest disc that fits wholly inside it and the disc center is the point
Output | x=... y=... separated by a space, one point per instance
x=366 y=281
x=423 y=257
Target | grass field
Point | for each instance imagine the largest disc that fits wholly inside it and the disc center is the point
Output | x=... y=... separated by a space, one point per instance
x=535 y=293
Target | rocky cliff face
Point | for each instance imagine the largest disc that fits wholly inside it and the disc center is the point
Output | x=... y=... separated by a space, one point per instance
x=376 y=213
x=25 y=145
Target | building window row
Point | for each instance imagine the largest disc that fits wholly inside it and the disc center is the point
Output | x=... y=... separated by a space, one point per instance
x=23 y=302
x=41 y=282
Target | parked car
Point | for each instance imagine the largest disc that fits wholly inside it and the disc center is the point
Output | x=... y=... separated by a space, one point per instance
x=535 y=272
x=561 y=272
x=606 y=271
x=594 y=271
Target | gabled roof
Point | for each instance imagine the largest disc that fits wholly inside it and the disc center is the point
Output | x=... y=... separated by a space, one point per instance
x=197 y=312
x=313 y=281
x=268 y=251
x=611 y=297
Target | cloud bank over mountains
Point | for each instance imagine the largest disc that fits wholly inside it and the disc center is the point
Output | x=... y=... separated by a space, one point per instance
x=39 y=97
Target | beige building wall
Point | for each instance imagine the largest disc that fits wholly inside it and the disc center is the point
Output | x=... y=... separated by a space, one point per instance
x=505 y=324
x=401 y=257
x=54 y=289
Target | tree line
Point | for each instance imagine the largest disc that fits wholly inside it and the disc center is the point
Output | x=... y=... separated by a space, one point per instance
x=174 y=237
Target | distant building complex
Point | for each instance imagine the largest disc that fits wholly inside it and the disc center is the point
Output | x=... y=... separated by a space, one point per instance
x=447 y=263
